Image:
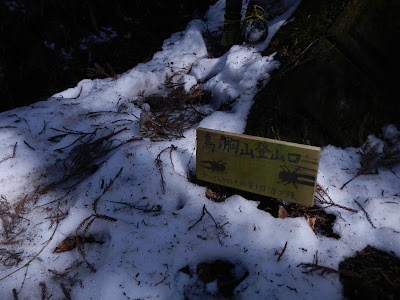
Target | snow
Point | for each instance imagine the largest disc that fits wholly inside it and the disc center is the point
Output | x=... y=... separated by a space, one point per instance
x=148 y=227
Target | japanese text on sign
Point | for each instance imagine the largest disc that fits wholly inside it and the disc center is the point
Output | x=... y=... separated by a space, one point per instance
x=273 y=168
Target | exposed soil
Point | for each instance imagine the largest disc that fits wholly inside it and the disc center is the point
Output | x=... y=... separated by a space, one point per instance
x=221 y=271
x=376 y=275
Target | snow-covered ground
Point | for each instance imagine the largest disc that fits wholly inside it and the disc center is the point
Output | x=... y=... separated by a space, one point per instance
x=77 y=165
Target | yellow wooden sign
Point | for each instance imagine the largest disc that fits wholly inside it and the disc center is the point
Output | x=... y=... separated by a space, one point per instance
x=282 y=170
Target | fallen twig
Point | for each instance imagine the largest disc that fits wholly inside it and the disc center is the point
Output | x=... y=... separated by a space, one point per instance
x=19 y=120
x=159 y=165
x=99 y=70
x=145 y=209
x=295 y=61
x=15 y=294
x=107 y=187
x=56 y=200
x=158 y=162
x=23 y=282
x=65 y=291
x=315 y=267
x=11 y=156
x=283 y=251
x=323 y=197
x=29 y=146
x=81 y=157
x=80 y=239
x=91 y=136
x=387 y=278
x=43 y=289
x=371 y=160
x=35 y=256
x=44 y=127
x=217 y=226
x=366 y=214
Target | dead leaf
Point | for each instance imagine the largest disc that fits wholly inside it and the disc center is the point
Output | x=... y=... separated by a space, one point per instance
x=69 y=243
x=311 y=222
x=282 y=213
x=213 y=196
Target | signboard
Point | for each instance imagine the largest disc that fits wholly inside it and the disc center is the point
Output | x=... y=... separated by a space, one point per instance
x=282 y=170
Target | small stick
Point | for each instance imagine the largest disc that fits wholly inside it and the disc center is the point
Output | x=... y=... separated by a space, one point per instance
x=159 y=165
x=65 y=291
x=385 y=276
x=321 y=192
x=154 y=208
x=201 y=217
x=43 y=289
x=23 y=282
x=347 y=182
x=158 y=162
x=161 y=281
x=366 y=214
x=88 y=221
x=29 y=146
x=217 y=226
x=283 y=251
x=11 y=156
x=35 y=256
x=108 y=186
x=324 y=269
x=44 y=128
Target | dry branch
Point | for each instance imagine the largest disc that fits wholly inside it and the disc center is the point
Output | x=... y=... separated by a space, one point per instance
x=217 y=226
x=158 y=162
x=15 y=294
x=322 y=197
x=80 y=238
x=65 y=291
x=371 y=159
x=53 y=201
x=29 y=146
x=19 y=120
x=43 y=289
x=60 y=275
x=159 y=165
x=315 y=267
x=99 y=70
x=11 y=156
x=146 y=209
x=295 y=62
x=283 y=251
x=365 y=212
x=107 y=187
x=82 y=157
x=170 y=116
x=35 y=256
